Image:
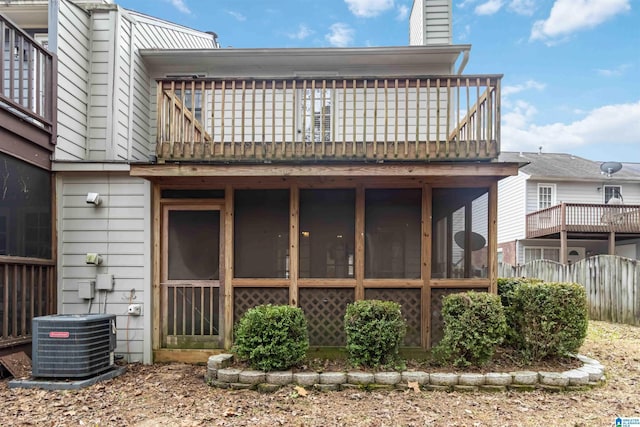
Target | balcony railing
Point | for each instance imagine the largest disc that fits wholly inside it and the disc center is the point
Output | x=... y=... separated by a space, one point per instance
x=400 y=119
x=584 y=218
x=27 y=290
x=27 y=77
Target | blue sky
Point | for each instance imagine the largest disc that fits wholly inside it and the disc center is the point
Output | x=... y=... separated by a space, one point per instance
x=571 y=67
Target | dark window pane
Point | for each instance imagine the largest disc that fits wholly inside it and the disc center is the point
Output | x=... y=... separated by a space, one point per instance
x=327 y=224
x=25 y=209
x=194 y=245
x=392 y=238
x=261 y=233
x=460 y=232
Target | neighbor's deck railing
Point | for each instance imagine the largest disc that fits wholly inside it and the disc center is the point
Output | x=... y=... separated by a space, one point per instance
x=27 y=290
x=415 y=118
x=584 y=217
x=27 y=77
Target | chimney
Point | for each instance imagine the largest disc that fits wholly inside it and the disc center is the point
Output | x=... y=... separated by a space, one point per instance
x=430 y=23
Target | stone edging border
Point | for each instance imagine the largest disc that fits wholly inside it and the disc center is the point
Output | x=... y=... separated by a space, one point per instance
x=221 y=375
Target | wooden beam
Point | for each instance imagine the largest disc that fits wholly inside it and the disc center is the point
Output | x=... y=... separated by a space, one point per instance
x=359 y=244
x=425 y=270
x=156 y=301
x=228 y=267
x=294 y=237
x=450 y=169
x=492 y=246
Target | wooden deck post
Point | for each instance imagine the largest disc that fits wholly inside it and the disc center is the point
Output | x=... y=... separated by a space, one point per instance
x=563 y=234
x=612 y=243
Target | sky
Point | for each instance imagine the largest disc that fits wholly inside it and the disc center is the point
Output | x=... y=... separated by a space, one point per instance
x=571 y=67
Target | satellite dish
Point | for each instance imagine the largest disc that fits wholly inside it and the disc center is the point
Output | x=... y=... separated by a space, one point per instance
x=609 y=168
x=477 y=240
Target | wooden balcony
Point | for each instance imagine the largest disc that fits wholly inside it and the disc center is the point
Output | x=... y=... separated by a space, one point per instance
x=446 y=118
x=27 y=95
x=584 y=218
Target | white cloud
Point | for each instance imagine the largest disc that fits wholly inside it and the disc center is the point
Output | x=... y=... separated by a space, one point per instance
x=302 y=33
x=240 y=17
x=522 y=7
x=613 y=72
x=403 y=12
x=608 y=124
x=368 y=8
x=340 y=35
x=529 y=84
x=180 y=5
x=569 y=16
x=489 y=7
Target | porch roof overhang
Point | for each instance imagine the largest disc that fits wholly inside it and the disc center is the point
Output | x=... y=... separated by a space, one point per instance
x=303 y=62
x=437 y=171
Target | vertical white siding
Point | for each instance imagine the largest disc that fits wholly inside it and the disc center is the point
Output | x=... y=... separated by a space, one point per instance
x=430 y=22
x=119 y=230
x=511 y=208
x=73 y=74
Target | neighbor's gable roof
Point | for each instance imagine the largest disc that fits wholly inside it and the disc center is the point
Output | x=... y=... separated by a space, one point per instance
x=566 y=167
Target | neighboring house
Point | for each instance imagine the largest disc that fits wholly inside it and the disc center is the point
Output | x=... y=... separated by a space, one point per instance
x=230 y=178
x=565 y=208
x=27 y=137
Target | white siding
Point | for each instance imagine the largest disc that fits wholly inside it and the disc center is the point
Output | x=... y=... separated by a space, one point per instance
x=581 y=192
x=511 y=208
x=430 y=22
x=119 y=230
x=73 y=74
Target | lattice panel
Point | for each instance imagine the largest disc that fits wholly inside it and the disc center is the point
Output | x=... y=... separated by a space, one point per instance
x=409 y=300
x=437 y=323
x=246 y=298
x=324 y=310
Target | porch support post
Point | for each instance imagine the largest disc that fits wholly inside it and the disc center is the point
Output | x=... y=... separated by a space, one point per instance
x=294 y=237
x=156 y=273
x=359 y=255
x=563 y=234
x=492 y=246
x=425 y=271
x=228 y=266
x=612 y=243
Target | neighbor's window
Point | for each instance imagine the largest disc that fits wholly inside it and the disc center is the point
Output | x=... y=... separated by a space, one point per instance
x=392 y=233
x=460 y=233
x=546 y=195
x=316 y=113
x=25 y=209
x=327 y=229
x=612 y=192
x=261 y=233
x=532 y=254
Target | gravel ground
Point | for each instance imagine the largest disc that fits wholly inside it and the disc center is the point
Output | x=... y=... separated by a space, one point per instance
x=176 y=395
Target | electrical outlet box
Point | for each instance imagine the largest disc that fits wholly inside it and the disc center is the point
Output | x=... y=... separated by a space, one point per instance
x=134 y=309
x=86 y=289
x=104 y=282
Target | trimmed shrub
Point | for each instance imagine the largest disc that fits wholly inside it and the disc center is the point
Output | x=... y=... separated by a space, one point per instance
x=375 y=329
x=551 y=319
x=506 y=288
x=272 y=337
x=474 y=326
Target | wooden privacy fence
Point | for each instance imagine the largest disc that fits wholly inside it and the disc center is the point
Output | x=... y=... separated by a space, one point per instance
x=27 y=290
x=612 y=283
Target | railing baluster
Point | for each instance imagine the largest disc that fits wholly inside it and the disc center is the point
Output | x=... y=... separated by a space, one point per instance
x=263 y=124
x=223 y=122
x=5 y=302
x=323 y=115
x=293 y=121
x=273 y=121
x=344 y=118
x=253 y=118
x=438 y=118
x=313 y=117
x=243 y=116
x=428 y=114
x=478 y=123
x=467 y=135
x=406 y=119
x=303 y=103
x=333 y=118
x=284 y=115
x=375 y=118
x=14 y=300
x=458 y=142
x=417 y=114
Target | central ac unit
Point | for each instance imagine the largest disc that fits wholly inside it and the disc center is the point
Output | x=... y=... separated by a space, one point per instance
x=73 y=345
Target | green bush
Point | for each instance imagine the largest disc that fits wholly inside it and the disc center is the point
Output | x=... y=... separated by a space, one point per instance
x=375 y=329
x=506 y=288
x=474 y=326
x=272 y=337
x=551 y=319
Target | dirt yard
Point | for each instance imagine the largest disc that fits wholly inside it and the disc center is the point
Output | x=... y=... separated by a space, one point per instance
x=176 y=395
